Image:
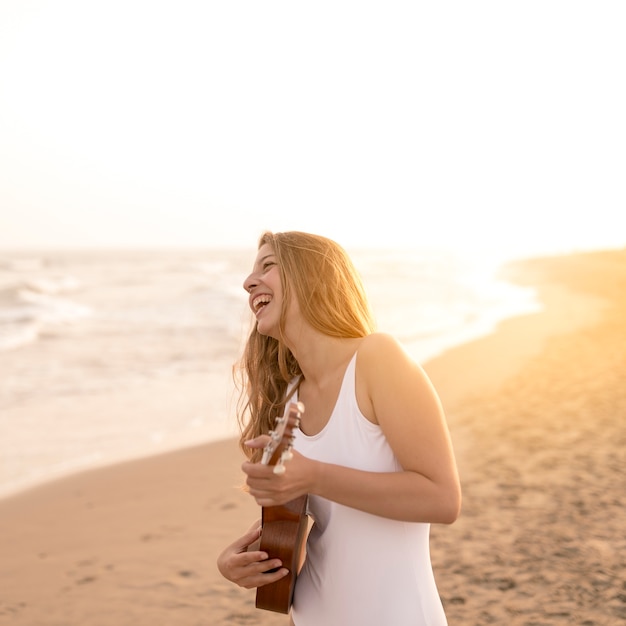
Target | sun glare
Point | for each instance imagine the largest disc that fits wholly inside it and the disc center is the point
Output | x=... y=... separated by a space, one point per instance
x=200 y=124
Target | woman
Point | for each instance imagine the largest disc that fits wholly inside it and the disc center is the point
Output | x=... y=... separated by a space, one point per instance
x=372 y=451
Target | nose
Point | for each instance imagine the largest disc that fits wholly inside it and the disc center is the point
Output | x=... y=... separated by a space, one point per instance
x=250 y=283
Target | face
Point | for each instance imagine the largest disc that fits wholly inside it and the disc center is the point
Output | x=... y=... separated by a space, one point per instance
x=266 y=292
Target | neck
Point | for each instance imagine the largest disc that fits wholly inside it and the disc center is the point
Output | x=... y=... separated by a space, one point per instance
x=321 y=358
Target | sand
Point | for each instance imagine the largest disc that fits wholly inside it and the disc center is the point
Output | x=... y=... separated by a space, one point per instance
x=536 y=411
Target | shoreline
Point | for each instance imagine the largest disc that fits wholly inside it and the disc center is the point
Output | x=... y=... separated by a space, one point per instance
x=137 y=540
x=96 y=414
x=98 y=424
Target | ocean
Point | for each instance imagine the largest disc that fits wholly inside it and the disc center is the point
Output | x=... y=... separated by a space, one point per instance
x=81 y=326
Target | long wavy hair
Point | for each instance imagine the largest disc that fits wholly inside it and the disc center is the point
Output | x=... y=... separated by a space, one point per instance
x=321 y=276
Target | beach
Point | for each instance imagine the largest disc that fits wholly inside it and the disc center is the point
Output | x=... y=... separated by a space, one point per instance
x=536 y=411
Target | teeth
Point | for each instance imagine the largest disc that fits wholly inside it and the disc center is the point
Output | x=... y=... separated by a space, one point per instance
x=260 y=301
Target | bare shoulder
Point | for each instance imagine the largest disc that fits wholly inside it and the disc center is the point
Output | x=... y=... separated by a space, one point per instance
x=381 y=351
x=386 y=366
x=400 y=398
x=376 y=342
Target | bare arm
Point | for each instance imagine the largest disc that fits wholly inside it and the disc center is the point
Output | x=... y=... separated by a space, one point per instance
x=394 y=392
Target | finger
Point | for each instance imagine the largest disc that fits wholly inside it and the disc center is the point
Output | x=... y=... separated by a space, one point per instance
x=253 y=533
x=265 y=578
x=255 y=527
x=265 y=501
x=258 y=442
x=256 y=556
x=241 y=544
x=257 y=470
x=271 y=577
x=256 y=573
x=242 y=565
x=271 y=498
x=260 y=488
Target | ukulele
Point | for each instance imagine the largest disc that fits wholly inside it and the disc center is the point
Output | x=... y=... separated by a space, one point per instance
x=283 y=526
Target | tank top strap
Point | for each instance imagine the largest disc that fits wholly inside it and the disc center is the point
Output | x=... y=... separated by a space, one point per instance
x=348 y=384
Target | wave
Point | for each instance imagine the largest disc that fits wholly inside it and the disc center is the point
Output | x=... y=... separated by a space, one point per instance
x=17 y=335
x=53 y=286
x=33 y=305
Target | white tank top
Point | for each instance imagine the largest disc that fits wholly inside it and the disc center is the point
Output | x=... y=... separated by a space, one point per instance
x=361 y=569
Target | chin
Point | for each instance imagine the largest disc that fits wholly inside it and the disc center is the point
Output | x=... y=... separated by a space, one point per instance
x=262 y=329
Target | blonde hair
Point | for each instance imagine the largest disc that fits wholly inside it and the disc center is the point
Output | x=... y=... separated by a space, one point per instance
x=321 y=276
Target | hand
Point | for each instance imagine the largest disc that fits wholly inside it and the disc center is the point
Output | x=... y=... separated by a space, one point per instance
x=270 y=489
x=246 y=567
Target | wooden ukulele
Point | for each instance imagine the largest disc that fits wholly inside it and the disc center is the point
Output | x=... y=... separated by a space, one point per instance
x=283 y=526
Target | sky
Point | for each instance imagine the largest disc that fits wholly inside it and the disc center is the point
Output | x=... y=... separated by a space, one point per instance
x=485 y=126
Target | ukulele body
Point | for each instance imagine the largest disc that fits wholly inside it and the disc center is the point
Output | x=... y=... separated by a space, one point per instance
x=282 y=537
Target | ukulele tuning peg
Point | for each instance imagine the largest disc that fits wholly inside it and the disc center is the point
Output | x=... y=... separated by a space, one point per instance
x=279 y=469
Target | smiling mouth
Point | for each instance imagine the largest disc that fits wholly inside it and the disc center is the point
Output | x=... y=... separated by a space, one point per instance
x=260 y=301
